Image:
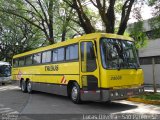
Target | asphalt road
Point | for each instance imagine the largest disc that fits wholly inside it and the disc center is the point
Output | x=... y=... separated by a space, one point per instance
x=13 y=101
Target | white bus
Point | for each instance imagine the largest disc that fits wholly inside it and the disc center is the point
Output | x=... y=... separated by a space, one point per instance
x=5 y=72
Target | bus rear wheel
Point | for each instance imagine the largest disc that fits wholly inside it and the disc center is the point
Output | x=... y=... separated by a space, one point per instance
x=75 y=93
x=29 y=87
x=3 y=83
x=24 y=86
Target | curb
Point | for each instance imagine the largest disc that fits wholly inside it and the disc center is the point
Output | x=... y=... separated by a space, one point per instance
x=153 y=102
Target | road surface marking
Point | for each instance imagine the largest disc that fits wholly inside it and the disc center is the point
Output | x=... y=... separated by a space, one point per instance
x=8 y=111
x=9 y=87
x=140 y=109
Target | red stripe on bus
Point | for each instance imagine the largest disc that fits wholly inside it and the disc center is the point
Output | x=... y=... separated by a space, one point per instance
x=62 y=79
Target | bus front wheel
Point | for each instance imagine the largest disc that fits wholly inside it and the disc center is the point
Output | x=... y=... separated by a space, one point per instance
x=75 y=93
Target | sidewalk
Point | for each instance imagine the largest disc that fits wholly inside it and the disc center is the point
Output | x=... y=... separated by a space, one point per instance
x=150 y=89
x=146 y=101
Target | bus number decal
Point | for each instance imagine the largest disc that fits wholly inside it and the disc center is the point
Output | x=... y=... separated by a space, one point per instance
x=51 y=68
x=116 y=77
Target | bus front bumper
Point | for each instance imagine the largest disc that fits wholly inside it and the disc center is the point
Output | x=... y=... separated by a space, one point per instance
x=5 y=79
x=110 y=94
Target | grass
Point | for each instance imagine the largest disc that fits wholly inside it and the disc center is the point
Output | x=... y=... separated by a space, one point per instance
x=150 y=96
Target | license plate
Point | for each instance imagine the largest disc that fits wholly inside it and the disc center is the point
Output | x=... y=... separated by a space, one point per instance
x=129 y=93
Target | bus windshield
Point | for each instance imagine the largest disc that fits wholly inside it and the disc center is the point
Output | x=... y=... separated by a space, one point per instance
x=5 y=70
x=118 y=54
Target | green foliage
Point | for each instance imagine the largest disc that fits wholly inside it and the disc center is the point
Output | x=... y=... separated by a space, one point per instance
x=17 y=36
x=45 y=15
x=136 y=31
x=150 y=96
x=118 y=6
x=152 y=2
x=64 y=23
x=24 y=25
x=155 y=26
x=155 y=4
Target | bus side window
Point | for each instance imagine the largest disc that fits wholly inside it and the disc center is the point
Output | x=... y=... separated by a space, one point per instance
x=21 y=61
x=58 y=55
x=46 y=57
x=55 y=55
x=61 y=54
x=28 y=60
x=72 y=52
x=15 y=62
x=37 y=58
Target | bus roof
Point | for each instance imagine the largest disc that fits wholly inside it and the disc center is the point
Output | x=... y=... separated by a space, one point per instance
x=4 y=63
x=92 y=36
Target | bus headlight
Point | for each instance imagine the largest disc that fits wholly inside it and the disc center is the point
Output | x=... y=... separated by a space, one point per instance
x=139 y=90
x=111 y=94
x=116 y=93
x=122 y=95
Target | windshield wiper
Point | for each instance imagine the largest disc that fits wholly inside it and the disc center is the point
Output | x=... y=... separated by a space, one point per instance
x=118 y=63
x=135 y=66
x=132 y=64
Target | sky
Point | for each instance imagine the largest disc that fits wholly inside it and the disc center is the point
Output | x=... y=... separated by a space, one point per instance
x=146 y=13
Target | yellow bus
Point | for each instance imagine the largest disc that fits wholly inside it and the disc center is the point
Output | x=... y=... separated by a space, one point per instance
x=93 y=67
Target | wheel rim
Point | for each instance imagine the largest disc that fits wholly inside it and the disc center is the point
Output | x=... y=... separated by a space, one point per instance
x=29 y=87
x=22 y=86
x=74 y=93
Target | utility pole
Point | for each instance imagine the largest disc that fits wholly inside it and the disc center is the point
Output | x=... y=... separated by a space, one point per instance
x=154 y=80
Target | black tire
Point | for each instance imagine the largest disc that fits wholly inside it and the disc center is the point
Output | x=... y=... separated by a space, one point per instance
x=29 y=87
x=3 y=83
x=75 y=93
x=108 y=102
x=23 y=86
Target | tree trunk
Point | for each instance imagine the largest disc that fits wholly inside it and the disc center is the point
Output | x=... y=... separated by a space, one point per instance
x=51 y=36
x=84 y=21
x=110 y=17
x=64 y=35
x=51 y=40
x=126 y=10
x=50 y=25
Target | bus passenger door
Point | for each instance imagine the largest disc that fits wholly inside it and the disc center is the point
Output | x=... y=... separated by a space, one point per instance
x=89 y=68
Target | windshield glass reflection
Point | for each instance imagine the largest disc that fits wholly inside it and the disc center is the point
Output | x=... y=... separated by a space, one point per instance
x=5 y=70
x=118 y=54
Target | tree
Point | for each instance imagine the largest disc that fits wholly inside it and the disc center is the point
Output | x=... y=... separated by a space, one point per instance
x=136 y=31
x=38 y=13
x=155 y=22
x=17 y=36
x=106 y=10
x=64 y=26
x=156 y=5
x=44 y=15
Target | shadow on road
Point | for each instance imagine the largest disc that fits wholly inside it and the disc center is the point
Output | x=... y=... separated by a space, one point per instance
x=96 y=107
x=45 y=103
